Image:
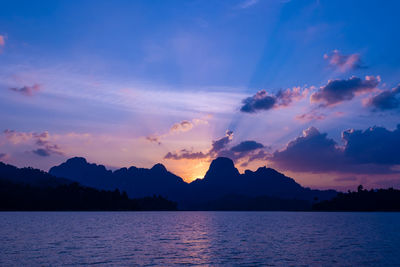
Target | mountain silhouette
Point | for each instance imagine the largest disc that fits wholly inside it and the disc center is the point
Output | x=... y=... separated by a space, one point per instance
x=223 y=188
x=32 y=189
x=222 y=179
x=30 y=176
x=137 y=182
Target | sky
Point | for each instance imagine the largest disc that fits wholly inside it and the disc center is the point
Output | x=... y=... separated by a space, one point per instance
x=310 y=88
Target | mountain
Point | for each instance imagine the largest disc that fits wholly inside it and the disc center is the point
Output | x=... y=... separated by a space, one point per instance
x=31 y=189
x=137 y=182
x=221 y=180
x=30 y=176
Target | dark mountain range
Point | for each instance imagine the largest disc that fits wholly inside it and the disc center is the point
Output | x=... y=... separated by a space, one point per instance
x=223 y=188
x=31 y=189
x=30 y=176
x=137 y=182
x=222 y=179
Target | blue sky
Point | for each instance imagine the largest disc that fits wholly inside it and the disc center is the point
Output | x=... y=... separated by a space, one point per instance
x=100 y=77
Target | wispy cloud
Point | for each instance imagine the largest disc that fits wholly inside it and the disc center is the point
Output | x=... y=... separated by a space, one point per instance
x=179 y=127
x=311 y=116
x=3 y=156
x=2 y=42
x=41 y=140
x=342 y=62
x=248 y=3
x=27 y=90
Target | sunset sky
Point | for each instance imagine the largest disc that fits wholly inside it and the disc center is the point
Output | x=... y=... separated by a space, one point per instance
x=311 y=88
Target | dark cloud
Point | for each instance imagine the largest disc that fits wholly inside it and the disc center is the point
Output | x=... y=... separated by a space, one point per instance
x=260 y=155
x=41 y=152
x=312 y=151
x=387 y=100
x=27 y=90
x=3 y=156
x=216 y=147
x=264 y=101
x=344 y=62
x=374 y=150
x=375 y=145
x=47 y=149
x=250 y=150
x=185 y=154
x=337 y=91
x=247 y=146
x=260 y=101
x=41 y=140
x=221 y=143
x=245 y=153
x=153 y=139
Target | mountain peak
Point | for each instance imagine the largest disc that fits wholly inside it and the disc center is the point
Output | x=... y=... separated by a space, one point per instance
x=221 y=168
x=222 y=162
x=159 y=167
x=77 y=161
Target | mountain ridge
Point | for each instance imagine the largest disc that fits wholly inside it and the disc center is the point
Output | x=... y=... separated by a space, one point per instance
x=221 y=179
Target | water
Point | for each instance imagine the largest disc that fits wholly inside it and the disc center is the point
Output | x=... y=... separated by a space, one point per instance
x=203 y=238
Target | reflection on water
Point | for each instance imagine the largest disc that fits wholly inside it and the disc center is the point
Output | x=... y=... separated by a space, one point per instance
x=213 y=238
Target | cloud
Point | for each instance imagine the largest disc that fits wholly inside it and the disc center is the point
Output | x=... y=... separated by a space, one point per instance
x=182 y=126
x=264 y=101
x=248 y=3
x=153 y=139
x=342 y=62
x=41 y=140
x=311 y=116
x=222 y=142
x=27 y=90
x=246 y=146
x=2 y=42
x=20 y=137
x=41 y=152
x=386 y=100
x=337 y=91
x=246 y=151
x=260 y=101
x=312 y=151
x=47 y=150
x=216 y=147
x=178 y=127
x=375 y=145
x=185 y=154
x=3 y=156
x=315 y=115
x=374 y=150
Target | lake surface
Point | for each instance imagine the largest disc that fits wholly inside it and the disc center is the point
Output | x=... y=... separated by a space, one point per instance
x=199 y=238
